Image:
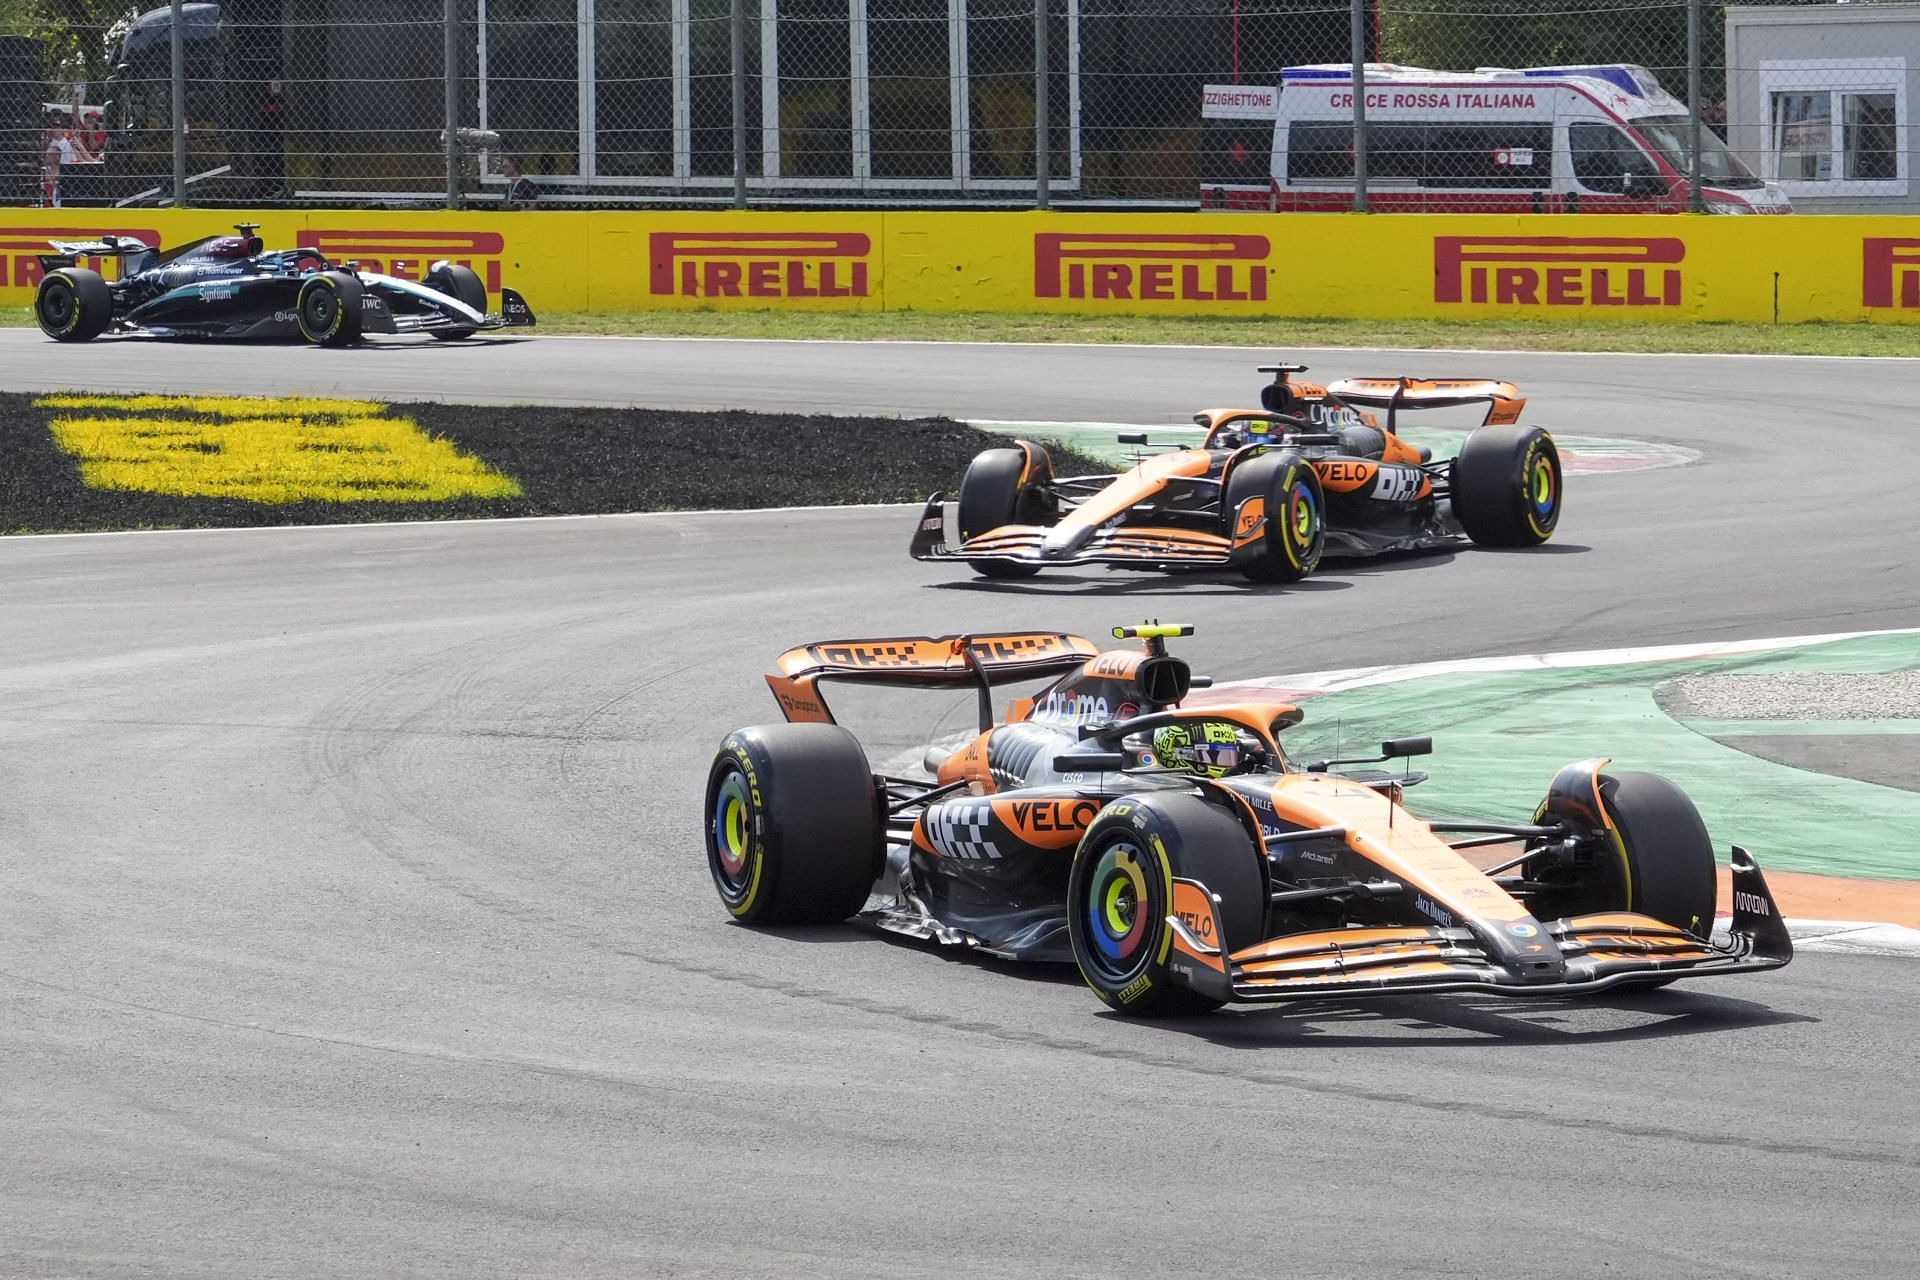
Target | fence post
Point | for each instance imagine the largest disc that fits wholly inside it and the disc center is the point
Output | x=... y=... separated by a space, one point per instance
x=179 y=41
x=737 y=17
x=1042 y=113
x=1359 y=106
x=1697 y=200
x=452 y=66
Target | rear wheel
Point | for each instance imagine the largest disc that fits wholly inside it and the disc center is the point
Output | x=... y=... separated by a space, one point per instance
x=462 y=283
x=1506 y=486
x=328 y=309
x=73 y=305
x=1120 y=892
x=992 y=494
x=795 y=833
x=1288 y=545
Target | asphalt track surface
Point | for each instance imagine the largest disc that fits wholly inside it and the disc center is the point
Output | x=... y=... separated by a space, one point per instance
x=353 y=920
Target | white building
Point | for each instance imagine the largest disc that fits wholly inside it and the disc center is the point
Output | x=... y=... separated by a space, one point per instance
x=1818 y=98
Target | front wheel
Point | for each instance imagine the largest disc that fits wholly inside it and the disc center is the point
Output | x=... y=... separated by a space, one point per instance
x=1654 y=858
x=328 y=309
x=464 y=284
x=1120 y=892
x=795 y=828
x=1002 y=487
x=73 y=305
x=1506 y=486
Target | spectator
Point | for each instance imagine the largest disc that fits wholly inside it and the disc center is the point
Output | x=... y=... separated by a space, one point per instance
x=520 y=192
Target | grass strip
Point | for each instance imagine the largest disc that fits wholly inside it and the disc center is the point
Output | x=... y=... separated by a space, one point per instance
x=1560 y=334
x=1817 y=338
x=564 y=461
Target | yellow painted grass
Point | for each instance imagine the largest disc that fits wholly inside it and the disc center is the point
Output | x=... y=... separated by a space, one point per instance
x=263 y=450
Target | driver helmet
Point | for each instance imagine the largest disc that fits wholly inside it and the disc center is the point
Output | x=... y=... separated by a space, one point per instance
x=1206 y=748
x=1246 y=431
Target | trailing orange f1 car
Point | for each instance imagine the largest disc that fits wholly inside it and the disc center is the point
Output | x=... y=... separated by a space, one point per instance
x=1315 y=470
x=1183 y=860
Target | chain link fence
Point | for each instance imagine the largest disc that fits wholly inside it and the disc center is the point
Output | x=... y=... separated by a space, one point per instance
x=1655 y=104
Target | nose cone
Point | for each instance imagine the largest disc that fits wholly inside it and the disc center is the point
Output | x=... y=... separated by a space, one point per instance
x=1525 y=949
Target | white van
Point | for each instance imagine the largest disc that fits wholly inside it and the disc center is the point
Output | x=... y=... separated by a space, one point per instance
x=1593 y=139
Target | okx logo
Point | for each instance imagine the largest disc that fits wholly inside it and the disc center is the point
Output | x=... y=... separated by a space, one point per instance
x=1144 y=268
x=1890 y=273
x=758 y=264
x=408 y=255
x=1558 y=271
x=21 y=247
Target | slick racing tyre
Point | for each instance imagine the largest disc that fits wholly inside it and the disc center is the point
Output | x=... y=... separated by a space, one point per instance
x=1661 y=865
x=993 y=494
x=73 y=305
x=328 y=309
x=1120 y=892
x=459 y=282
x=1506 y=486
x=795 y=828
x=1288 y=546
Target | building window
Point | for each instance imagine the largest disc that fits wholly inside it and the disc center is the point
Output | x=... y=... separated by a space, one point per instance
x=1836 y=127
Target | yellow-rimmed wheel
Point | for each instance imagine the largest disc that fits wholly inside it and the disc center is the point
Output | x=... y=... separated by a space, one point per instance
x=1507 y=486
x=1274 y=511
x=1120 y=893
x=328 y=309
x=73 y=304
x=795 y=830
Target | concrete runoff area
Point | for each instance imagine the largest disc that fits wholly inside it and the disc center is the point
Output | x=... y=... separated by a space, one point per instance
x=356 y=923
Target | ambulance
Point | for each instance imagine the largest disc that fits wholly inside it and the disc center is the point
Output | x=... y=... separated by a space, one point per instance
x=1587 y=139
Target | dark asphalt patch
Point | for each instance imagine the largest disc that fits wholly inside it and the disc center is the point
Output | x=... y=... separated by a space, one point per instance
x=568 y=461
x=1885 y=759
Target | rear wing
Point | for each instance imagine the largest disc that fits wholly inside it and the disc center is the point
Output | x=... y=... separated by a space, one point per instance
x=1503 y=400
x=68 y=252
x=924 y=662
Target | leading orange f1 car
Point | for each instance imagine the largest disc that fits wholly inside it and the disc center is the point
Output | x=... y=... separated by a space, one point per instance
x=1183 y=860
x=1314 y=470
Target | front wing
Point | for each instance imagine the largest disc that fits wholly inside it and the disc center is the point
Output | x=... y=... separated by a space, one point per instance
x=1598 y=951
x=1139 y=546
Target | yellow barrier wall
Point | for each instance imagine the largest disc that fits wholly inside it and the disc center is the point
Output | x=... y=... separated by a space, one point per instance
x=1585 y=268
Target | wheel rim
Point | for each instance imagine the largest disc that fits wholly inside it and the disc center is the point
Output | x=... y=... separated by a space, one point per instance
x=321 y=310
x=1302 y=520
x=729 y=838
x=1121 y=908
x=56 y=307
x=1542 y=491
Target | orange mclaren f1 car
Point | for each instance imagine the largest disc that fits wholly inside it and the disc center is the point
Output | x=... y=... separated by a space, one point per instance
x=1314 y=470
x=1183 y=860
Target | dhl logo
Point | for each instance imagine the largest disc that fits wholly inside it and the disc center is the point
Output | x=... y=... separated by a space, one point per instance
x=758 y=264
x=1890 y=273
x=407 y=255
x=1148 y=268
x=21 y=247
x=1558 y=271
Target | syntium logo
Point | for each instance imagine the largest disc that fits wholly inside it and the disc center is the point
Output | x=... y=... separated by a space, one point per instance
x=758 y=264
x=1890 y=273
x=1559 y=271
x=408 y=255
x=21 y=247
x=1146 y=268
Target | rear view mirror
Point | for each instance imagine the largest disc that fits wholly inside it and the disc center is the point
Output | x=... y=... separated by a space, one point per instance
x=1090 y=762
x=1395 y=747
x=1132 y=437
